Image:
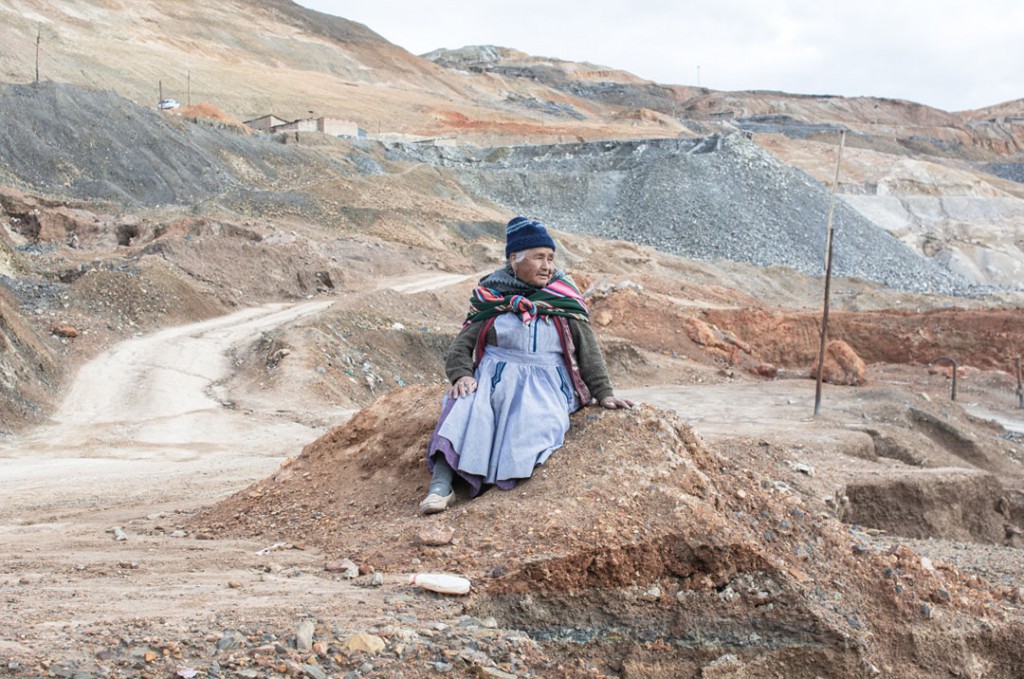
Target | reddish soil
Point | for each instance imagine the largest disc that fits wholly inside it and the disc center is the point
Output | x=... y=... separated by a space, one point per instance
x=646 y=539
x=208 y=111
x=989 y=339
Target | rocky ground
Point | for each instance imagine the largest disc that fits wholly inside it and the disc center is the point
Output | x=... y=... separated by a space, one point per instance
x=723 y=521
x=221 y=360
x=653 y=534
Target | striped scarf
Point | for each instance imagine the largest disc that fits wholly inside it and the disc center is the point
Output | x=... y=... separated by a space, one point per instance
x=560 y=297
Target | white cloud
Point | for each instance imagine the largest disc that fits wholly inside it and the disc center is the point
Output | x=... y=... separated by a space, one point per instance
x=951 y=55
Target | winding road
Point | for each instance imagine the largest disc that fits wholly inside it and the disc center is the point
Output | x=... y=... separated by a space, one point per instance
x=149 y=417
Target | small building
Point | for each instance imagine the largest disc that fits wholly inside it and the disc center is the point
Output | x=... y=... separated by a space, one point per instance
x=304 y=125
x=266 y=123
x=339 y=128
x=332 y=126
x=336 y=127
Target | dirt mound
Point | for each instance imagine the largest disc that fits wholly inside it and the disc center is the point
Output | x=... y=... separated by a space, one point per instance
x=208 y=111
x=841 y=365
x=634 y=546
x=983 y=338
x=144 y=297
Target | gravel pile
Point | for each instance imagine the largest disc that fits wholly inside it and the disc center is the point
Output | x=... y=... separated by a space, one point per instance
x=95 y=145
x=718 y=197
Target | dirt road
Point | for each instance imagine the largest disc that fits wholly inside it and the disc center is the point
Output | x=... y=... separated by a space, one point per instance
x=147 y=416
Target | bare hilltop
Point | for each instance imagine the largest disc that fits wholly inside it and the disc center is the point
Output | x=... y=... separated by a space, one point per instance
x=221 y=336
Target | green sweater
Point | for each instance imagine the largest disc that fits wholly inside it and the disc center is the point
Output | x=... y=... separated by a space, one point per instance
x=458 y=362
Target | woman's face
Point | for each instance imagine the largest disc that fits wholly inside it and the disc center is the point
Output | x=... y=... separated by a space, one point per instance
x=536 y=267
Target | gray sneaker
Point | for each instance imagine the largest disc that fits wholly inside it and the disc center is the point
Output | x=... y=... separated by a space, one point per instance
x=434 y=503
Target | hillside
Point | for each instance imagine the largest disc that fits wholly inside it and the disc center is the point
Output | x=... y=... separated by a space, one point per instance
x=625 y=190
x=945 y=184
x=302 y=63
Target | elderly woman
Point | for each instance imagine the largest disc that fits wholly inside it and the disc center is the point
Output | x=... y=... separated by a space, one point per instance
x=526 y=357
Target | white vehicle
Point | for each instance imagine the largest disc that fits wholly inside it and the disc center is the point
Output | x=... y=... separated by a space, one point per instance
x=168 y=104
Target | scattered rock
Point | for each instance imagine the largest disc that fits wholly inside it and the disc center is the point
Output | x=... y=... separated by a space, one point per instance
x=435 y=536
x=313 y=671
x=800 y=467
x=346 y=567
x=304 y=636
x=365 y=643
x=842 y=365
x=652 y=594
x=229 y=641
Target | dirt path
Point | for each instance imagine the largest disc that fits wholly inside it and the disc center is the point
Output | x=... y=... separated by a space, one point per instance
x=149 y=424
x=413 y=284
x=148 y=417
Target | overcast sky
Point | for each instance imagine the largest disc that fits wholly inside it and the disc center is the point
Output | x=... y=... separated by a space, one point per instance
x=953 y=55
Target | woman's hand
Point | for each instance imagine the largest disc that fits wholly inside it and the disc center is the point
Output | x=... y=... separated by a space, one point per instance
x=613 y=402
x=462 y=387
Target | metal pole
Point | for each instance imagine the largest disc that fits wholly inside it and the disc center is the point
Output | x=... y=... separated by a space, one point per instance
x=956 y=369
x=828 y=278
x=39 y=37
x=1020 y=387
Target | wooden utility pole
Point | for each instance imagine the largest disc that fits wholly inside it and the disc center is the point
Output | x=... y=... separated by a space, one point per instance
x=188 y=95
x=39 y=38
x=161 y=91
x=828 y=278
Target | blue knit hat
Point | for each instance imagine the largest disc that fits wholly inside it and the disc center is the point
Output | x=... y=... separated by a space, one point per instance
x=523 y=234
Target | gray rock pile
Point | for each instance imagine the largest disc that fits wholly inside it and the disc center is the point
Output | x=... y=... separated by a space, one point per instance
x=718 y=197
x=94 y=145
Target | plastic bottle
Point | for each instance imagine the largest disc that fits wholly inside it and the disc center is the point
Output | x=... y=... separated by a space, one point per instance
x=441 y=582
